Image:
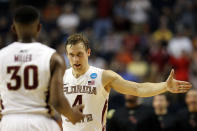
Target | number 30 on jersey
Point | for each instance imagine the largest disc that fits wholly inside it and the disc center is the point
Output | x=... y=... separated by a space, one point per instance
x=13 y=70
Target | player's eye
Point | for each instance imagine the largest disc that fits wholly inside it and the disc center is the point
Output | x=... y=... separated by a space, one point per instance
x=79 y=55
x=71 y=55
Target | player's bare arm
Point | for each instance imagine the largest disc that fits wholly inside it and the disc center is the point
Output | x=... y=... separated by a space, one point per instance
x=57 y=99
x=111 y=79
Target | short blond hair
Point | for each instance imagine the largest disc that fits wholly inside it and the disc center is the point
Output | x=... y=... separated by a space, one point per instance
x=77 y=38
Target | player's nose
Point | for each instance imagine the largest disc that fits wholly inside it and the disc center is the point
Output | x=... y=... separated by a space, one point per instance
x=76 y=58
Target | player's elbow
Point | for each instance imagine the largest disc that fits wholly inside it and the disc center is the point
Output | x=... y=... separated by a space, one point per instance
x=55 y=103
x=58 y=106
x=61 y=105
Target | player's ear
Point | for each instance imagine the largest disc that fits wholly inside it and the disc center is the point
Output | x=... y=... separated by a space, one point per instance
x=13 y=28
x=89 y=51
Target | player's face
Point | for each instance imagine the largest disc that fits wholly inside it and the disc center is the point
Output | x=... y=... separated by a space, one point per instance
x=131 y=101
x=78 y=56
x=191 y=100
x=160 y=102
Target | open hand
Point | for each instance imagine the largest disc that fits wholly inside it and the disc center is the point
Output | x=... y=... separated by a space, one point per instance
x=177 y=86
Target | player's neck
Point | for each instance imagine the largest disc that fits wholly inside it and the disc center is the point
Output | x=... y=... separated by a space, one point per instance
x=78 y=73
x=27 y=40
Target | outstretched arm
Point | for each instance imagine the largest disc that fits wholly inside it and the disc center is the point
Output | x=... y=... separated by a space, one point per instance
x=57 y=98
x=115 y=81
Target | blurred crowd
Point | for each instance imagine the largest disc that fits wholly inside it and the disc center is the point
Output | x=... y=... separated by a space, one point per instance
x=142 y=40
x=134 y=116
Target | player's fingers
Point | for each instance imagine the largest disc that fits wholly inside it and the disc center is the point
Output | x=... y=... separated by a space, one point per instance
x=178 y=91
x=170 y=77
x=81 y=116
x=80 y=106
x=172 y=73
x=183 y=83
x=182 y=91
x=185 y=86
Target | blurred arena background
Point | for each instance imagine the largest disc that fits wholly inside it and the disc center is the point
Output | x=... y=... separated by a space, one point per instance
x=140 y=39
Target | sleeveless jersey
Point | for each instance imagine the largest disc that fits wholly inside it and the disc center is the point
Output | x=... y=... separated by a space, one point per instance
x=24 y=78
x=89 y=91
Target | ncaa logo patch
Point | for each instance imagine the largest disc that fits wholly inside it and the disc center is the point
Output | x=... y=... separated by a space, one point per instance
x=93 y=75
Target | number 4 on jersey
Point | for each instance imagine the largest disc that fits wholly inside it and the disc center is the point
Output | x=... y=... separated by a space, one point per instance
x=78 y=101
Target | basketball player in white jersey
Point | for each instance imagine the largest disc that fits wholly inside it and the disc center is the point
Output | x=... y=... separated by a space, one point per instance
x=88 y=85
x=30 y=77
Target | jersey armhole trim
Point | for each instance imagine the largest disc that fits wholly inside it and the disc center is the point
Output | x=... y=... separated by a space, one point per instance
x=104 y=91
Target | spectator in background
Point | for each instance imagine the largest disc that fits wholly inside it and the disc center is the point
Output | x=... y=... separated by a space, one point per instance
x=97 y=61
x=181 y=66
x=162 y=115
x=162 y=34
x=161 y=119
x=103 y=25
x=180 y=49
x=120 y=15
x=68 y=20
x=111 y=45
x=193 y=65
x=184 y=13
x=158 y=51
x=50 y=13
x=138 y=10
x=158 y=56
x=179 y=44
x=123 y=55
x=87 y=14
x=159 y=5
x=138 y=66
x=131 y=40
x=160 y=38
x=129 y=117
x=187 y=118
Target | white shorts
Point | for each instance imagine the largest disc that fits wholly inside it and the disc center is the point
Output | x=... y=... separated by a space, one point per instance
x=28 y=122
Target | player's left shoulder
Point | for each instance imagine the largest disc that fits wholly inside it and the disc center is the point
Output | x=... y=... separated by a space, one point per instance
x=95 y=72
x=107 y=76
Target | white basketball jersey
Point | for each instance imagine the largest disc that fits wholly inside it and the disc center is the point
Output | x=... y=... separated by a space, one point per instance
x=89 y=91
x=24 y=78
